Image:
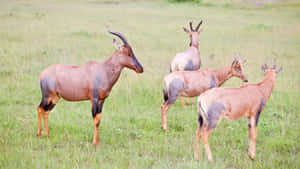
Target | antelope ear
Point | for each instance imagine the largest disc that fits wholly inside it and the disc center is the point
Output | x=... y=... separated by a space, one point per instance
x=234 y=62
x=201 y=30
x=186 y=30
x=117 y=45
x=279 y=70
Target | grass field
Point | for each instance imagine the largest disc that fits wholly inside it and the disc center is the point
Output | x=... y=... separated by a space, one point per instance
x=36 y=34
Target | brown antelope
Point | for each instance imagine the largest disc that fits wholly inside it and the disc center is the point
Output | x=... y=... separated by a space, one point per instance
x=92 y=81
x=190 y=59
x=193 y=83
x=247 y=101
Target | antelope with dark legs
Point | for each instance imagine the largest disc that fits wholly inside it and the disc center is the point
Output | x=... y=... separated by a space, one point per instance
x=193 y=83
x=247 y=101
x=190 y=59
x=92 y=81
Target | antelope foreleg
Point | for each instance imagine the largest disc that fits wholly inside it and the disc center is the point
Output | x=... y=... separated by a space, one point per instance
x=46 y=105
x=40 y=113
x=198 y=136
x=164 y=111
x=190 y=100
x=205 y=135
x=182 y=102
x=97 y=120
x=45 y=117
x=96 y=111
x=252 y=137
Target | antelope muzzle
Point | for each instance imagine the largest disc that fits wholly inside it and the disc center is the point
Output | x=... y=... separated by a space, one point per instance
x=244 y=78
x=138 y=67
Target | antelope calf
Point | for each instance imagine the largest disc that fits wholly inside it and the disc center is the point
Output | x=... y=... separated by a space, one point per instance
x=92 y=81
x=247 y=101
x=193 y=83
x=190 y=59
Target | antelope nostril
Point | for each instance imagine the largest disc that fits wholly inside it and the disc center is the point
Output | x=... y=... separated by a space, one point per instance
x=246 y=80
x=142 y=69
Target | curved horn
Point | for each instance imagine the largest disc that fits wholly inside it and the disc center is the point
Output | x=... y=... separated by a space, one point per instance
x=266 y=65
x=279 y=70
x=191 y=27
x=274 y=65
x=241 y=59
x=263 y=68
x=198 y=26
x=120 y=36
x=235 y=59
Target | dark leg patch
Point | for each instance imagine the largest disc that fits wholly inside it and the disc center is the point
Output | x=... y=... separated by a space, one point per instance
x=261 y=105
x=175 y=88
x=200 y=120
x=97 y=107
x=189 y=66
x=97 y=83
x=213 y=82
x=214 y=113
x=46 y=106
x=166 y=97
x=47 y=85
x=49 y=106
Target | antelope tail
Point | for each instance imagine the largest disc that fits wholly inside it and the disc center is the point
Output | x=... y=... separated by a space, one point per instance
x=202 y=112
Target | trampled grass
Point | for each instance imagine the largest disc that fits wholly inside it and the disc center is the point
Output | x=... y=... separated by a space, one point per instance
x=36 y=34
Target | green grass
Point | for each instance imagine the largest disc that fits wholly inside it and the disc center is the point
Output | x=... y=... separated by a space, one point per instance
x=36 y=34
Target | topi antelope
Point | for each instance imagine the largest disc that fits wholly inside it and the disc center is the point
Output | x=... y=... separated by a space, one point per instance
x=190 y=59
x=92 y=81
x=193 y=83
x=247 y=101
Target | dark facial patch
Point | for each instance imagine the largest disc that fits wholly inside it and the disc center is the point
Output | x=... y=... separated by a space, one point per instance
x=214 y=113
x=175 y=88
x=190 y=66
x=213 y=82
x=47 y=85
x=261 y=105
x=137 y=64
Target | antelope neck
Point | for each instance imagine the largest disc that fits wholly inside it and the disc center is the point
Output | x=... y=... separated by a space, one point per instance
x=267 y=85
x=113 y=67
x=222 y=74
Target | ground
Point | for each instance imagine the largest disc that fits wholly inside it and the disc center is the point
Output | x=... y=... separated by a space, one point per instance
x=36 y=34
